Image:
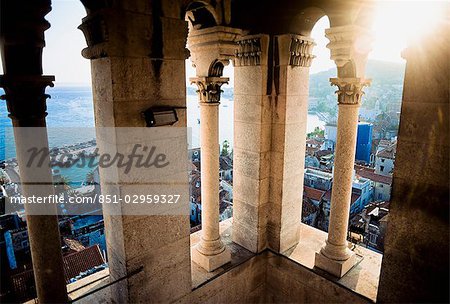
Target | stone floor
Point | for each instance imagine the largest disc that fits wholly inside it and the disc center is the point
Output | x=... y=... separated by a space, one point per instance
x=363 y=278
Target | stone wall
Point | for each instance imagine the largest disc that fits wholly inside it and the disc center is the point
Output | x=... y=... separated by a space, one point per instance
x=416 y=258
x=271 y=278
x=289 y=282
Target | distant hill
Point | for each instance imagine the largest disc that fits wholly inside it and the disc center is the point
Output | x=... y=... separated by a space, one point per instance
x=381 y=72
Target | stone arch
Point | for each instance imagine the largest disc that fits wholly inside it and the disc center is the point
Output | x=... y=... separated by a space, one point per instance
x=216 y=68
x=201 y=14
x=90 y=5
x=306 y=19
x=350 y=13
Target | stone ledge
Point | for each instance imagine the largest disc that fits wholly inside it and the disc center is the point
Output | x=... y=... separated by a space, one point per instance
x=363 y=278
x=86 y=285
x=238 y=255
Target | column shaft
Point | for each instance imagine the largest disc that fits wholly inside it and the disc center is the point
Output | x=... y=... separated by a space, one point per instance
x=22 y=36
x=350 y=58
x=336 y=247
x=209 y=130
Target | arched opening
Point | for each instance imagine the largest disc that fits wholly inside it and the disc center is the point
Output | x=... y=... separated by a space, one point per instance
x=226 y=109
x=322 y=113
x=201 y=16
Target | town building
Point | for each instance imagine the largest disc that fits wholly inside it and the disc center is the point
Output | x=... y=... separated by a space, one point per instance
x=385 y=157
x=364 y=142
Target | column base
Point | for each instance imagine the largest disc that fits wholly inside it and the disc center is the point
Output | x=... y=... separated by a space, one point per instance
x=334 y=267
x=211 y=262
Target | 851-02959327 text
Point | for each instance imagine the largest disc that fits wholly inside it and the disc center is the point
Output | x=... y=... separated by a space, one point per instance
x=140 y=199
x=100 y=198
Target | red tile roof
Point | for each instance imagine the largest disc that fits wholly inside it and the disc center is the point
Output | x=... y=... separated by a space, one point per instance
x=314 y=194
x=323 y=153
x=327 y=196
x=308 y=208
x=81 y=261
x=370 y=174
x=313 y=141
x=387 y=153
x=388 y=149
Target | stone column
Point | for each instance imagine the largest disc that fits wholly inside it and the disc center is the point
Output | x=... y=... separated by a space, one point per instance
x=139 y=63
x=251 y=150
x=210 y=253
x=289 y=119
x=335 y=257
x=24 y=85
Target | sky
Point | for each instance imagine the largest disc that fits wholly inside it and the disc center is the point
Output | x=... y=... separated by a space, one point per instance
x=394 y=21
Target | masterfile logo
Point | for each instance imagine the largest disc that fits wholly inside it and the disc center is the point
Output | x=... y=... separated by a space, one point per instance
x=123 y=171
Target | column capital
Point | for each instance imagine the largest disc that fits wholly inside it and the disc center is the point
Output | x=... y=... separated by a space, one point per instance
x=295 y=50
x=25 y=95
x=349 y=44
x=209 y=88
x=350 y=90
x=95 y=29
x=251 y=50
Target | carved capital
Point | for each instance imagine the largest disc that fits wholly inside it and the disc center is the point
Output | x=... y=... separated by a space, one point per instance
x=249 y=52
x=209 y=88
x=300 y=51
x=350 y=90
x=95 y=30
x=25 y=96
x=349 y=44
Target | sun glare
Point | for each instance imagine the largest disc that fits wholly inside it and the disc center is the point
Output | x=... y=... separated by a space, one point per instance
x=398 y=23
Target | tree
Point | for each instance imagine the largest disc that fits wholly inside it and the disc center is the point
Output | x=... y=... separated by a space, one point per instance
x=318 y=132
x=225 y=147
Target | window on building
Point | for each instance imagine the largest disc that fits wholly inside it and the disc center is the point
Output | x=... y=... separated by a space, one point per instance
x=381 y=168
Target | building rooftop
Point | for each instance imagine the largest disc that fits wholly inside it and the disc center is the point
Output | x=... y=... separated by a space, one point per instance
x=369 y=173
x=314 y=194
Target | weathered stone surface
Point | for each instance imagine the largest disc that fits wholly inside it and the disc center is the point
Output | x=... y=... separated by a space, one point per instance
x=416 y=257
x=211 y=262
x=250 y=80
x=252 y=136
x=252 y=191
x=252 y=108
